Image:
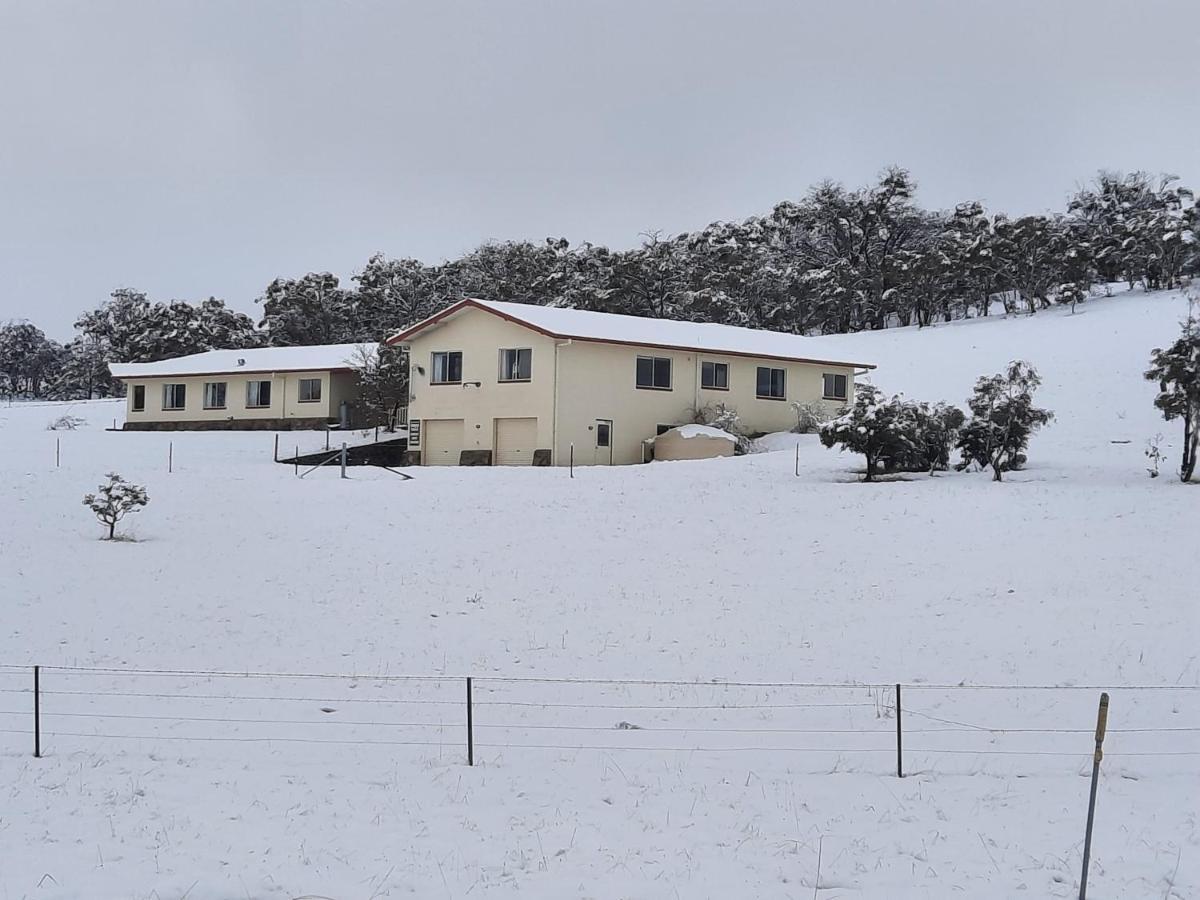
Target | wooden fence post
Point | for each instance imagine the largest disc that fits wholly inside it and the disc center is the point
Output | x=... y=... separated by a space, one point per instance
x=470 y=726
x=1101 y=726
x=37 y=712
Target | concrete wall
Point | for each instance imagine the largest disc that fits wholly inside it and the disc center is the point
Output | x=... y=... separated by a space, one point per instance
x=673 y=445
x=285 y=403
x=480 y=336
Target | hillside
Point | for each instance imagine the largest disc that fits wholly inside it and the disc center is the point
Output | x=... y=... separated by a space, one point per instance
x=1079 y=570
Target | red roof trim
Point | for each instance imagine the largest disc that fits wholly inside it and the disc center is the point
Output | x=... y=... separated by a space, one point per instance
x=468 y=302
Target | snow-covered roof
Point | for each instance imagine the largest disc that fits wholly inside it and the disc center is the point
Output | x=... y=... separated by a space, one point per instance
x=585 y=325
x=318 y=358
x=687 y=432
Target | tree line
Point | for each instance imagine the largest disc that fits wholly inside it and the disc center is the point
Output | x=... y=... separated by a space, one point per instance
x=838 y=260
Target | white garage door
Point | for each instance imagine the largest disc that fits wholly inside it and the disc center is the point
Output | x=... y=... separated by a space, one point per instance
x=516 y=440
x=443 y=441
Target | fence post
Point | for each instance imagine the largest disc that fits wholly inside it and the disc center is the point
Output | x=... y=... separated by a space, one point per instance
x=797 y=459
x=572 y=459
x=470 y=726
x=276 y=446
x=57 y=454
x=899 y=737
x=296 y=460
x=343 y=459
x=327 y=436
x=170 y=456
x=37 y=712
x=1101 y=725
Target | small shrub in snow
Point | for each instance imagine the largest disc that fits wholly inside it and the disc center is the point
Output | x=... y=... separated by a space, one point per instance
x=726 y=418
x=1177 y=371
x=65 y=423
x=114 y=500
x=931 y=432
x=1154 y=454
x=1003 y=418
x=810 y=416
x=873 y=426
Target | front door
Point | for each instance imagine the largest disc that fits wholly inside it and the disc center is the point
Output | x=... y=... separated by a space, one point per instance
x=604 y=438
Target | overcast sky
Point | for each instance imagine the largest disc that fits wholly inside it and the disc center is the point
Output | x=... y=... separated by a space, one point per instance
x=203 y=148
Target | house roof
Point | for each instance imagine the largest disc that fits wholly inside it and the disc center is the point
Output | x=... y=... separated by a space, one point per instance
x=670 y=334
x=319 y=358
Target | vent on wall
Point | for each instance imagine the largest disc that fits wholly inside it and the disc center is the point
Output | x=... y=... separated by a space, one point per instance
x=241 y=362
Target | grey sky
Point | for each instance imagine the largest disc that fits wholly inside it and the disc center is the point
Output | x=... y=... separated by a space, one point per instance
x=202 y=148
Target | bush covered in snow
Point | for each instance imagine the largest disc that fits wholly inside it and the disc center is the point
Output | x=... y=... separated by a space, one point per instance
x=725 y=418
x=810 y=416
x=931 y=432
x=873 y=425
x=114 y=500
x=1003 y=418
x=65 y=423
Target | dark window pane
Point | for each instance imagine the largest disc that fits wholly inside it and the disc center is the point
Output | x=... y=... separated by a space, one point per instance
x=603 y=434
x=662 y=373
x=763 y=382
x=645 y=371
x=456 y=367
x=722 y=374
x=139 y=397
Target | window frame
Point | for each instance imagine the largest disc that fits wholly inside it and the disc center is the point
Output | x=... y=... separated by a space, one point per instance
x=174 y=388
x=826 y=395
x=259 y=404
x=604 y=427
x=448 y=354
x=500 y=362
x=300 y=383
x=716 y=365
x=224 y=386
x=654 y=361
x=136 y=405
x=759 y=395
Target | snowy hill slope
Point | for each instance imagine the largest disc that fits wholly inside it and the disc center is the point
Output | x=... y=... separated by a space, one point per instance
x=1078 y=571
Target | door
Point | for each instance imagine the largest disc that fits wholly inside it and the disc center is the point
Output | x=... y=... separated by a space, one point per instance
x=443 y=442
x=516 y=439
x=604 y=436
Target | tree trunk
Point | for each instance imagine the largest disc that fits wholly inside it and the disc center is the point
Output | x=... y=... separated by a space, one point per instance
x=112 y=527
x=1191 y=436
x=870 y=468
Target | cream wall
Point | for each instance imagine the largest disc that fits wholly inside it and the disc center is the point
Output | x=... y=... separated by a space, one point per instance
x=285 y=389
x=598 y=381
x=480 y=336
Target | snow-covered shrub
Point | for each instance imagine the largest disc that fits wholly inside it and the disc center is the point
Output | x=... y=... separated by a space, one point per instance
x=114 y=499
x=1177 y=371
x=1154 y=454
x=726 y=418
x=65 y=423
x=1003 y=418
x=931 y=432
x=810 y=416
x=873 y=426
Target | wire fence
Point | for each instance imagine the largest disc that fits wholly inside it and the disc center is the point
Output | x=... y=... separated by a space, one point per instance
x=898 y=729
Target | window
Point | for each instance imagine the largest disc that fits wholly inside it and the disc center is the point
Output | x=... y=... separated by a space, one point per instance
x=310 y=390
x=447 y=368
x=604 y=434
x=258 y=394
x=516 y=365
x=139 y=398
x=662 y=429
x=214 y=395
x=654 y=373
x=714 y=376
x=835 y=387
x=174 y=396
x=771 y=384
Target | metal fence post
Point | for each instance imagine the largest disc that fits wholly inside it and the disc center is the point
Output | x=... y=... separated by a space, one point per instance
x=572 y=459
x=343 y=459
x=470 y=726
x=57 y=453
x=1101 y=725
x=296 y=460
x=899 y=737
x=276 y=446
x=170 y=456
x=37 y=712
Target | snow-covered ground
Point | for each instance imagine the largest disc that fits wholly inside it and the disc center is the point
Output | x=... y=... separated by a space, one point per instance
x=1080 y=571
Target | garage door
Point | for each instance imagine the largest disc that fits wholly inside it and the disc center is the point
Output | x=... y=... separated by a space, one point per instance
x=515 y=441
x=443 y=441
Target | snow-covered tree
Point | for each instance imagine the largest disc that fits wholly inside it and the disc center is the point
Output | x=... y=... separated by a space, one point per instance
x=873 y=425
x=114 y=500
x=312 y=309
x=28 y=360
x=383 y=382
x=1177 y=371
x=1003 y=418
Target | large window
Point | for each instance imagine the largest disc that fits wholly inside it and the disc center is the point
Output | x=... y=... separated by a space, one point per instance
x=258 y=394
x=516 y=365
x=310 y=390
x=714 y=376
x=771 y=384
x=139 y=398
x=174 y=396
x=834 y=387
x=446 y=368
x=654 y=373
x=214 y=395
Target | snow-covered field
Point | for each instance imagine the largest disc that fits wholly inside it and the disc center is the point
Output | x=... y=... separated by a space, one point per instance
x=1080 y=571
